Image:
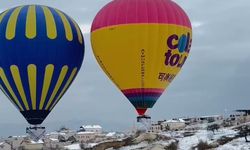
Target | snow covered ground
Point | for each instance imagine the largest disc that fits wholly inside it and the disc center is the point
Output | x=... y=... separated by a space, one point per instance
x=134 y=147
x=186 y=143
x=238 y=144
x=73 y=147
x=205 y=136
x=185 y=139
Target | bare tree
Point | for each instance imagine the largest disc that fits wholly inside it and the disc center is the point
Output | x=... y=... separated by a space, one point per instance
x=213 y=127
x=244 y=132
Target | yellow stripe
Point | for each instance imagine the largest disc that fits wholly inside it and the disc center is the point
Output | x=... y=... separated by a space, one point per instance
x=46 y=83
x=11 y=26
x=58 y=85
x=72 y=75
x=32 y=84
x=5 y=93
x=2 y=15
x=67 y=27
x=6 y=83
x=78 y=31
x=31 y=22
x=50 y=23
x=17 y=79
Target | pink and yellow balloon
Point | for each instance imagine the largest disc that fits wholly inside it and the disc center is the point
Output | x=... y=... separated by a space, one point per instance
x=141 y=45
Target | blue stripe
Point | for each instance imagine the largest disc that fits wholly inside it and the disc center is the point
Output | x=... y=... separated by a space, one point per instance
x=63 y=84
x=143 y=102
x=74 y=30
x=57 y=72
x=13 y=86
x=40 y=23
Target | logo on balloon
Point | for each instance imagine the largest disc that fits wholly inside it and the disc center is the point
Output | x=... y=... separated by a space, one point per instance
x=182 y=44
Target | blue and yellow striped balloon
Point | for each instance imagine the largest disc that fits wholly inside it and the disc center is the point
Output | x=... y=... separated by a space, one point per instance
x=41 y=52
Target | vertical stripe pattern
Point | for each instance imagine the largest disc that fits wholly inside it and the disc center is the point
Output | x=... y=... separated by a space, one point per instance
x=71 y=77
x=17 y=79
x=7 y=84
x=79 y=35
x=46 y=84
x=64 y=79
x=67 y=27
x=50 y=23
x=11 y=27
x=39 y=49
x=58 y=85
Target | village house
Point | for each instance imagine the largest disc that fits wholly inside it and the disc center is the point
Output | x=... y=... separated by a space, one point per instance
x=203 y=119
x=173 y=124
x=212 y=118
x=240 y=116
x=155 y=128
x=66 y=133
x=86 y=136
x=52 y=135
x=91 y=128
x=52 y=143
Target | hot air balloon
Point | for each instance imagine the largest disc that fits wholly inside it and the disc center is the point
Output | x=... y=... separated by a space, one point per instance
x=41 y=52
x=141 y=45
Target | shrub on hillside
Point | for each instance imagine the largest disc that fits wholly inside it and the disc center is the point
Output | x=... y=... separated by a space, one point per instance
x=172 y=146
x=203 y=146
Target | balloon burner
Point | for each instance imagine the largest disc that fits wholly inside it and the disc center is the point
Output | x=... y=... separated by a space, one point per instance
x=144 y=122
x=35 y=132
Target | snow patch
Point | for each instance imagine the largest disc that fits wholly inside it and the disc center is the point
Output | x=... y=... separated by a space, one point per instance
x=73 y=147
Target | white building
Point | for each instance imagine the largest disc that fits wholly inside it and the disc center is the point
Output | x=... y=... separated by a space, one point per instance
x=67 y=133
x=52 y=135
x=203 y=119
x=72 y=147
x=212 y=118
x=85 y=136
x=173 y=124
x=91 y=128
x=155 y=128
x=113 y=135
x=51 y=143
x=240 y=116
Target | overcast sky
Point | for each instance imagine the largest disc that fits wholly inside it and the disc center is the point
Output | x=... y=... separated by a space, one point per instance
x=214 y=79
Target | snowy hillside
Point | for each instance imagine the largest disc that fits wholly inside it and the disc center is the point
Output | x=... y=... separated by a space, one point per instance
x=197 y=136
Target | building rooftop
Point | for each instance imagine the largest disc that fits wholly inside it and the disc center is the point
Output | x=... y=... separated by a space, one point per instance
x=243 y=110
x=91 y=127
x=175 y=121
x=86 y=133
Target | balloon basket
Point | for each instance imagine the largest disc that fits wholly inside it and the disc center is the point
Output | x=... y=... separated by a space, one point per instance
x=35 y=132
x=144 y=123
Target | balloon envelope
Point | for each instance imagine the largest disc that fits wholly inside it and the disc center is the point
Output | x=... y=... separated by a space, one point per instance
x=41 y=51
x=141 y=45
